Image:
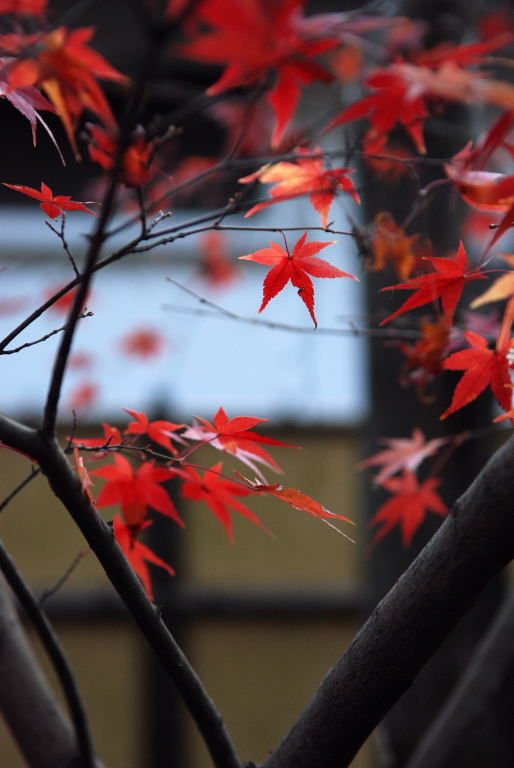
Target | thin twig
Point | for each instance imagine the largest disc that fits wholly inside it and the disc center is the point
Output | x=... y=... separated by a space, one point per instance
x=63 y=579
x=60 y=234
x=219 y=311
x=142 y=213
x=43 y=338
x=55 y=653
x=33 y=472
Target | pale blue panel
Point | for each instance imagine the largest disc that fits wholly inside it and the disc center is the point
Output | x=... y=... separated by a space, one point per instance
x=208 y=361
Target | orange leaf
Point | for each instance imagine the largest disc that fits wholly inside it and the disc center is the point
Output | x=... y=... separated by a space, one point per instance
x=303 y=177
x=83 y=474
x=390 y=243
x=300 y=501
x=502 y=288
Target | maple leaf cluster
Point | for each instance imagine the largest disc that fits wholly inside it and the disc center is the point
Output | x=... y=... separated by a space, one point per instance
x=267 y=54
x=141 y=491
x=410 y=498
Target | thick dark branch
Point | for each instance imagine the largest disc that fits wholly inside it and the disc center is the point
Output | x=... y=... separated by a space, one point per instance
x=43 y=735
x=474 y=543
x=55 y=653
x=465 y=708
x=66 y=486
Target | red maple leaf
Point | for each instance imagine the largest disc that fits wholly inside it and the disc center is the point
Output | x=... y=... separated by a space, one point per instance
x=256 y=38
x=295 y=267
x=137 y=553
x=160 y=432
x=482 y=367
x=52 y=205
x=234 y=436
x=408 y=506
x=446 y=283
x=218 y=493
x=303 y=177
x=299 y=500
x=401 y=453
x=136 y=491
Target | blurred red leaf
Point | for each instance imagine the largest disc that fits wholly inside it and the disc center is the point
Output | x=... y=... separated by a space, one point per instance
x=305 y=176
x=66 y=68
x=137 y=159
x=143 y=342
x=216 y=267
x=391 y=244
x=240 y=39
x=408 y=506
x=83 y=396
x=24 y=7
x=401 y=453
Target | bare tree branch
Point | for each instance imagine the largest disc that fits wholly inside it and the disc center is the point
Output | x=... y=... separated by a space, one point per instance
x=41 y=732
x=219 y=311
x=471 y=697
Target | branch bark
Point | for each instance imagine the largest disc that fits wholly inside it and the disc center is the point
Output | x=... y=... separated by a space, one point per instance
x=43 y=735
x=85 y=756
x=472 y=696
x=474 y=543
